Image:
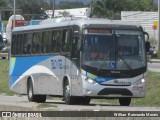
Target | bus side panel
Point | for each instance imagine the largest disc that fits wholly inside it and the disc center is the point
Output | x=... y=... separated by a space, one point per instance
x=47 y=74
x=76 y=80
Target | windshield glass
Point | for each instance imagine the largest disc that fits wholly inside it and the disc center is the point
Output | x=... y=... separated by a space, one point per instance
x=123 y=50
x=130 y=50
x=98 y=50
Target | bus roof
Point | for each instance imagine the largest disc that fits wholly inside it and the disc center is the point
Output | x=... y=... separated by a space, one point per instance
x=68 y=21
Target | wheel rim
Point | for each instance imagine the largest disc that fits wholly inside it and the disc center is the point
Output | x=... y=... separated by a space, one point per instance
x=67 y=92
x=30 y=93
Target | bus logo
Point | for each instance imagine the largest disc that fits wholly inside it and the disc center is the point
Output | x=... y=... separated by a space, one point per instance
x=56 y=64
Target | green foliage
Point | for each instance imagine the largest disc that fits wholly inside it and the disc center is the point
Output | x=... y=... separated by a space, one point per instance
x=4 y=77
x=158 y=55
x=69 y=5
x=112 y=8
x=2 y=3
x=30 y=9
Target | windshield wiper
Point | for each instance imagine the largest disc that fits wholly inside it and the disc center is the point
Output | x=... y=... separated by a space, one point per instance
x=124 y=61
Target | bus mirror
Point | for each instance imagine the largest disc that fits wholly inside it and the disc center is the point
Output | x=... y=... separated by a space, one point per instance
x=146 y=36
x=148 y=46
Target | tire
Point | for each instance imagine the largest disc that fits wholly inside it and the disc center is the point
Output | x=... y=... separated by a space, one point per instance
x=124 y=101
x=31 y=96
x=70 y=100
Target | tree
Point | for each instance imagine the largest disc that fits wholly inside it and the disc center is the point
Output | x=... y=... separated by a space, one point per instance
x=108 y=8
x=112 y=8
x=2 y=3
x=30 y=9
x=64 y=14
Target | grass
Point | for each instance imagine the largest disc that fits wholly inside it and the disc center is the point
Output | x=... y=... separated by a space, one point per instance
x=4 y=78
x=152 y=97
x=158 y=55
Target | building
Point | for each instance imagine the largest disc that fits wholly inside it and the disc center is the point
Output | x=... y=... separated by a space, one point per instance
x=77 y=12
x=146 y=20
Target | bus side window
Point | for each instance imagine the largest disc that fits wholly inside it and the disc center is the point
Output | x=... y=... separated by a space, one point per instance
x=35 y=45
x=47 y=36
x=13 y=50
x=53 y=43
x=57 y=41
x=19 y=44
x=66 y=42
x=27 y=43
x=75 y=49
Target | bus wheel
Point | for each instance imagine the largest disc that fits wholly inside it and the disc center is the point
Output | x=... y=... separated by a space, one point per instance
x=124 y=101
x=31 y=96
x=67 y=98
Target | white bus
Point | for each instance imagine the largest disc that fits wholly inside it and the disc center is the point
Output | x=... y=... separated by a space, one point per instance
x=79 y=59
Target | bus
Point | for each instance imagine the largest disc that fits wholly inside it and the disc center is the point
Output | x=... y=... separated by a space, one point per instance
x=78 y=60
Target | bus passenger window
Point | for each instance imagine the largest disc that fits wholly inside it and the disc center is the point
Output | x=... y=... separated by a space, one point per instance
x=75 y=49
x=37 y=39
x=56 y=41
x=47 y=36
x=13 y=50
x=27 y=43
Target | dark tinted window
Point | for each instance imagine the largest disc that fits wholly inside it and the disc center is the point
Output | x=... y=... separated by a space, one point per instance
x=19 y=39
x=56 y=41
x=13 y=49
x=47 y=37
x=66 y=41
x=37 y=40
x=27 y=43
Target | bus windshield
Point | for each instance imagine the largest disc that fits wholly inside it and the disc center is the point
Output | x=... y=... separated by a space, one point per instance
x=123 y=50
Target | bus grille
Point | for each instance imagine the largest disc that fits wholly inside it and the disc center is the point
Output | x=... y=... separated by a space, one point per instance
x=119 y=91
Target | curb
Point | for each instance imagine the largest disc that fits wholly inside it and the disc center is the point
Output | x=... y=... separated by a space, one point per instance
x=154 y=61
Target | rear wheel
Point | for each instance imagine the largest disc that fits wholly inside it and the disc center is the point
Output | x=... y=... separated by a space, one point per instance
x=124 y=101
x=31 y=96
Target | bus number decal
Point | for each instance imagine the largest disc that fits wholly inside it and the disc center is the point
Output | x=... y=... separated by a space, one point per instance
x=56 y=64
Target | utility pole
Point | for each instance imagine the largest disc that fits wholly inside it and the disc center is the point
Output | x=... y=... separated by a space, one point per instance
x=14 y=12
x=53 y=8
x=158 y=25
x=91 y=6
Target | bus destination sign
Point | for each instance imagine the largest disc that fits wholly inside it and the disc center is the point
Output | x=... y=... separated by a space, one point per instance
x=103 y=31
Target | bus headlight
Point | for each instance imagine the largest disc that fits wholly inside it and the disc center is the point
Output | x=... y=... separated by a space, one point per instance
x=86 y=78
x=140 y=82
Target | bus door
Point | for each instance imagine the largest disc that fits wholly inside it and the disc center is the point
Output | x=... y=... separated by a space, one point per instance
x=66 y=49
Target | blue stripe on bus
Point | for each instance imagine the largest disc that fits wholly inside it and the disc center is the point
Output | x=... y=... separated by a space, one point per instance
x=98 y=79
x=22 y=64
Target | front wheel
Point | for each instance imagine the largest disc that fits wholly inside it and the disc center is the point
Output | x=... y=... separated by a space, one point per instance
x=124 y=101
x=67 y=97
